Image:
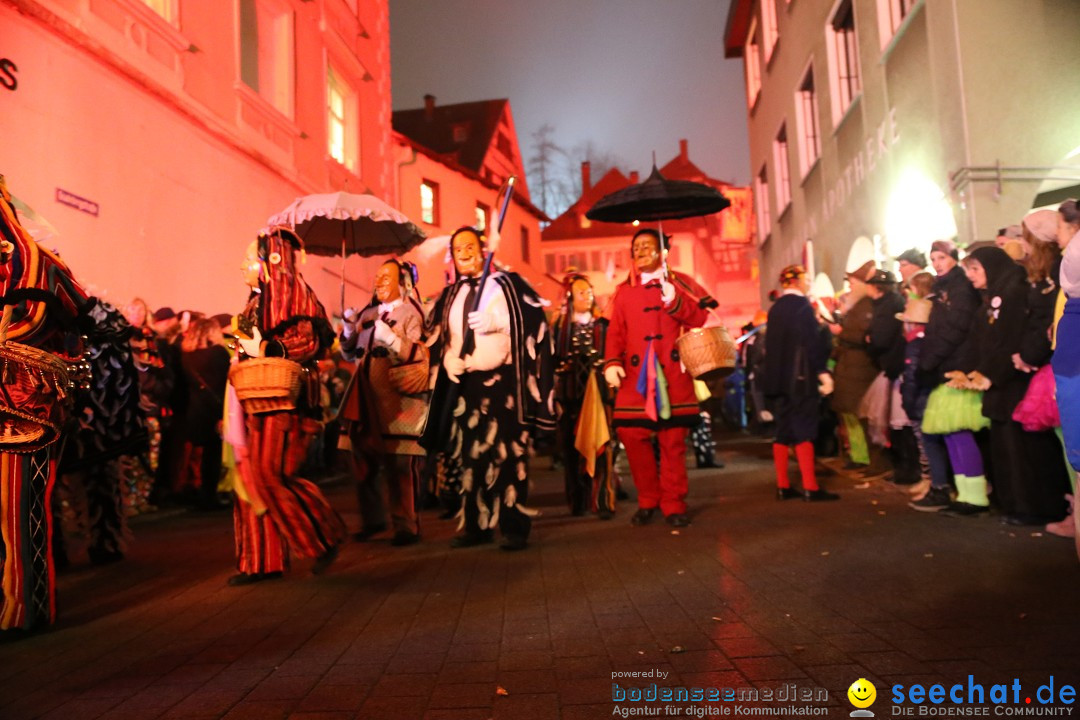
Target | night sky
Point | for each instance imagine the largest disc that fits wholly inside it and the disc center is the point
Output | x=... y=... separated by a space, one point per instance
x=632 y=76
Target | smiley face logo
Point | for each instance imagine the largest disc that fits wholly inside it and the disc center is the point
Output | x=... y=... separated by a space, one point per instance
x=862 y=693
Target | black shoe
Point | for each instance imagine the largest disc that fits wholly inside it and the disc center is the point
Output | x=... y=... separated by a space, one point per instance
x=1023 y=520
x=577 y=512
x=710 y=463
x=678 y=520
x=404 y=537
x=787 y=493
x=513 y=544
x=324 y=561
x=819 y=495
x=937 y=498
x=250 y=578
x=643 y=516
x=472 y=539
x=368 y=533
x=963 y=509
x=621 y=494
x=105 y=557
x=605 y=514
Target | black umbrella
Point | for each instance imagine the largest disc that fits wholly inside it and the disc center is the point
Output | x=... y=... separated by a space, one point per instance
x=658 y=198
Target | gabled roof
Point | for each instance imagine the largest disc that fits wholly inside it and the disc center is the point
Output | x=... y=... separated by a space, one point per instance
x=568 y=225
x=477 y=122
x=738 y=25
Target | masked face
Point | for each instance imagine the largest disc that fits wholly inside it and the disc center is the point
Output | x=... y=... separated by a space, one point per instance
x=251 y=266
x=581 y=294
x=387 y=285
x=646 y=251
x=468 y=256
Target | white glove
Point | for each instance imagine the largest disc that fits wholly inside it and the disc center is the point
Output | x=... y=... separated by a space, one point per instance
x=454 y=366
x=485 y=322
x=667 y=292
x=385 y=335
x=825 y=384
x=348 y=323
x=614 y=376
x=349 y=315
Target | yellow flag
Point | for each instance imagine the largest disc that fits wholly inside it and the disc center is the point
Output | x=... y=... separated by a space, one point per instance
x=592 y=431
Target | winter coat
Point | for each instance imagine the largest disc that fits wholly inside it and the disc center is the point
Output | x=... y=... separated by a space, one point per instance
x=947 y=345
x=1035 y=346
x=913 y=395
x=886 y=334
x=855 y=369
x=796 y=353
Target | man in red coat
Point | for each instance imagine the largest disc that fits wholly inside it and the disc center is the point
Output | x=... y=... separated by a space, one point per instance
x=654 y=393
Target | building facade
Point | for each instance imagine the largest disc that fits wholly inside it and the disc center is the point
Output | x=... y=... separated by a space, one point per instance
x=899 y=122
x=449 y=163
x=158 y=136
x=718 y=251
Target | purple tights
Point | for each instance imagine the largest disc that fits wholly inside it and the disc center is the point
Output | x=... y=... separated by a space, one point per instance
x=964 y=454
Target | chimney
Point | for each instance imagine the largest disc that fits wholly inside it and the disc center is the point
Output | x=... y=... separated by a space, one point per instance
x=429 y=107
x=586 y=177
x=634 y=176
x=684 y=155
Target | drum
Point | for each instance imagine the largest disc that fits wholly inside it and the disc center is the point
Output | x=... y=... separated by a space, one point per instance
x=708 y=353
x=266 y=385
x=34 y=394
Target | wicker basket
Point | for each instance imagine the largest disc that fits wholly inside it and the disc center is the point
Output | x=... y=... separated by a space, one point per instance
x=266 y=385
x=37 y=384
x=707 y=352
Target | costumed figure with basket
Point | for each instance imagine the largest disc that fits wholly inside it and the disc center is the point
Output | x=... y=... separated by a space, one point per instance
x=655 y=395
x=794 y=378
x=493 y=391
x=385 y=407
x=276 y=381
x=584 y=402
x=39 y=342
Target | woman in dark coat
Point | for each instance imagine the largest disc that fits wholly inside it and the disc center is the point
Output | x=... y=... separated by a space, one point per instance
x=1027 y=469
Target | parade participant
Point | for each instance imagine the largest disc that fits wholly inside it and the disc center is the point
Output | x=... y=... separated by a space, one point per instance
x=386 y=403
x=40 y=301
x=794 y=377
x=288 y=321
x=654 y=393
x=497 y=360
x=855 y=369
x=584 y=412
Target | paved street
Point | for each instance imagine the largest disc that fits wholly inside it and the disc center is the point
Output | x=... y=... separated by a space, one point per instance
x=755 y=592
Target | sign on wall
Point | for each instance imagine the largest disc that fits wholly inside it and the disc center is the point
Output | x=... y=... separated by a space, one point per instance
x=79 y=203
x=8 y=68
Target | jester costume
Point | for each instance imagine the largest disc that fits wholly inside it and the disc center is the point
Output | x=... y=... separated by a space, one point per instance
x=41 y=300
x=274 y=505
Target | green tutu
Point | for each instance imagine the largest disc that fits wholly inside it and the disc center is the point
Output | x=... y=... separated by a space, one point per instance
x=950 y=410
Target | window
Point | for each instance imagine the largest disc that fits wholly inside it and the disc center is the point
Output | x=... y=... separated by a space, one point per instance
x=343 y=121
x=266 y=51
x=806 y=112
x=769 y=32
x=164 y=8
x=891 y=14
x=482 y=211
x=549 y=264
x=524 y=244
x=752 y=54
x=783 y=177
x=843 y=51
x=761 y=194
x=461 y=132
x=429 y=202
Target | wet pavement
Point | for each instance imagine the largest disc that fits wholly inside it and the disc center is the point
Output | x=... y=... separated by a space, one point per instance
x=793 y=596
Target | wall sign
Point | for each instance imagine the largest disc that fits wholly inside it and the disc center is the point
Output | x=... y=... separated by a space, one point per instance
x=79 y=203
x=7 y=74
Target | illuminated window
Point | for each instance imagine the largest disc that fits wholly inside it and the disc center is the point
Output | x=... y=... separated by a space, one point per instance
x=524 y=244
x=761 y=194
x=164 y=8
x=342 y=118
x=461 y=132
x=266 y=51
x=769 y=32
x=481 y=216
x=752 y=53
x=806 y=112
x=429 y=202
x=843 y=51
x=783 y=177
x=549 y=264
x=891 y=15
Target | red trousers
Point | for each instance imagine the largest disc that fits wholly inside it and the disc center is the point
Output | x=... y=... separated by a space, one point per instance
x=662 y=484
x=260 y=549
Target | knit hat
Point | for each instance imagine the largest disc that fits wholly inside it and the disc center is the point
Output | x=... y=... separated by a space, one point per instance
x=1042 y=224
x=912 y=256
x=945 y=247
x=165 y=313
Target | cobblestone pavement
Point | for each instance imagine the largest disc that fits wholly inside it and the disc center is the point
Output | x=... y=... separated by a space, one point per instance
x=755 y=592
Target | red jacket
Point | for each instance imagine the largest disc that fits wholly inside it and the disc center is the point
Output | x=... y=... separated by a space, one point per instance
x=639 y=314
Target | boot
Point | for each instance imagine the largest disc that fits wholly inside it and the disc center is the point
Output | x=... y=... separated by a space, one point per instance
x=1065 y=528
